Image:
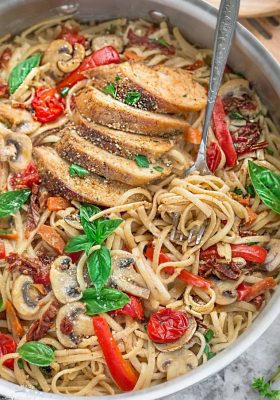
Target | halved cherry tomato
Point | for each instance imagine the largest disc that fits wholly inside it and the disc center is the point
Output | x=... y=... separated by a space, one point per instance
x=121 y=370
x=185 y=276
x=2 y=251
x=213 y=156
x=252 y=253
x=222 y=133
x=167 y=325
x=48 y=104
x=25 y=178
x=134 y=309
x=7 y=346
x=248 y=293
x=106 y=55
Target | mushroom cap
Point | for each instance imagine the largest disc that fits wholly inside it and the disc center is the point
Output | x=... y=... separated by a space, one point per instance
x=225 y=291
x=176 y=363
x=63 y=276
x=81 y=324
x=74 y=61
x=178 y=344
x=23 y=146
x=107 y=40
x=58 y=50
x=25 y=296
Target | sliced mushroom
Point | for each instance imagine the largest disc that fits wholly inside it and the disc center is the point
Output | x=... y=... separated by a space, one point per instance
x=58 y=51
x=25 y=296
x=64 y=281
x=72 y=324
x=107 y=40
x=272 y=261
x=20 y=147
x=176 y=363
x=166 y=347
x=77 y=57
x=235 y=87
x=74 y=221
x=124 y=275
x=225 y=291
x=17 y=120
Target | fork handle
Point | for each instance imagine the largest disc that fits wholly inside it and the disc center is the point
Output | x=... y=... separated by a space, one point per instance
x=227 y=18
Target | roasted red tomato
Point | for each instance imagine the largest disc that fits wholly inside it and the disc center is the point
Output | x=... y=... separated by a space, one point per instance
x=25 y=178
x=72 y=35
x=134 y=309
x=48 y=104
x=213 y=156
x=167 y=325
x=7 y=345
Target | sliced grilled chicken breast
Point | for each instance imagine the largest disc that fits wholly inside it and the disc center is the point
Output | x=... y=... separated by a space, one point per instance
x=78 y=150
x=122 y=143
x=163 y=89
x=54 y=172
x=105 y=110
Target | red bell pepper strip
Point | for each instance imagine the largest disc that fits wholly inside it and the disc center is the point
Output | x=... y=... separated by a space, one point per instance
x=134 y=309
x=213 y=156
x=25 y=178
x=7 y=346
x=104 y=56
x=252 y=253
x=222 y=133
x=184 y=276
x=121 y=370
x=2 y=251
x=48 y=104
x=248 y=293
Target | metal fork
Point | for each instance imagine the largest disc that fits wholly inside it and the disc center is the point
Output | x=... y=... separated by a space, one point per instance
x=226 y=23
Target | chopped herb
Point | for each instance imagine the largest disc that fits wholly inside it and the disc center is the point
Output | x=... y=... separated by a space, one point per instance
x=269 y=151
x=250 y=190
x=264 y=388
x=209 y=335
x=208 y=352
x=142 y=161
x=76 y=170
x=238 y=191
x=161 y=41
x=1 y=303
x=132 y=98
x=210 y=355
x=20 y=363
x=236 y=115
x=118 y=78
x=235 y=145
x=158 y=168
x=64 y=91
x=110 y=89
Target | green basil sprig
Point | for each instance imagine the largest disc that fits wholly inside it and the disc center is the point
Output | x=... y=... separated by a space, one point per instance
x=105 y=300
x=36 y=353
x=99 y=262
x=11 y=202
x=266 y=184
x=21 y=70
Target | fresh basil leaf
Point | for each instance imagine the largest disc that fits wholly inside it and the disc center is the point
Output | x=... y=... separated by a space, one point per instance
x=158 y=168
x=99 y=267
x=266 y=184
x=105 y=300
x=209 y=335
x=36 y=353
x=142 y=161
x=21 y=70
x=110 y=89
x=236 y=115
x=1 y=303
x=78 y=243
x=11 y=202
x=238 y=191
x=86 y=212
x=132 y=98
x=105 y=228
x=76 y=170
x=20 y=363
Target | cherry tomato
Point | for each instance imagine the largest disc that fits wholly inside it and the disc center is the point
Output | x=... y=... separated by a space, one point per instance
x=2 y=251
x=7 y=345
x=25 y=178
x=167 y=325
x=133 y=308
x=48 y=104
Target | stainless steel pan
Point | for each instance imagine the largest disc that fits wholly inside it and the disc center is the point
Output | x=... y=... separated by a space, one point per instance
x=196 y=20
